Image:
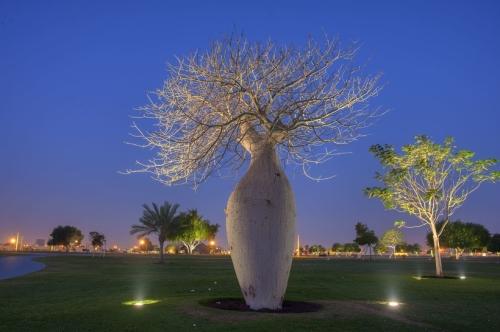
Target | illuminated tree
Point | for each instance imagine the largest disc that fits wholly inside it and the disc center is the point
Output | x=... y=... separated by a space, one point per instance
x=316 y=249
x=193 y=229
x=429 y=181
x=67 y=236
x=264 y=102
x=162 y=221
x=391 y=238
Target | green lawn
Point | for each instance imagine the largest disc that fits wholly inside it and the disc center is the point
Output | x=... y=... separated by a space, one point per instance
x=86 y=294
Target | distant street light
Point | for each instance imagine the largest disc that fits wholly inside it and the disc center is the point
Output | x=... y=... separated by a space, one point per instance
x=142 y=242
x=211 y=244
x=15 y=241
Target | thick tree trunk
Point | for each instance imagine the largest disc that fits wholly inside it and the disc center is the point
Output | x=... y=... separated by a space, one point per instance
x=261 y=230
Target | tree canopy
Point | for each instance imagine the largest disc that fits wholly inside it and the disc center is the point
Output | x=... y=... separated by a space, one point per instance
x=216 y=104
x=345 y=248
x=97 y=239
x=494 y=243
x=391 y=238
x=364 y=235
x=193 y=229
x=66 y=236
x=429 y=181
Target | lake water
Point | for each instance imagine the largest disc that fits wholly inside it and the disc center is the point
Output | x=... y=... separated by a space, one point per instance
x=15 y=266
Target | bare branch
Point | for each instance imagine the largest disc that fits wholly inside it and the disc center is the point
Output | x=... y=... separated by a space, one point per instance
x=216 y=105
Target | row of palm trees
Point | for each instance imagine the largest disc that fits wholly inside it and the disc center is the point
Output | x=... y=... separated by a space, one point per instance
x=167 y=223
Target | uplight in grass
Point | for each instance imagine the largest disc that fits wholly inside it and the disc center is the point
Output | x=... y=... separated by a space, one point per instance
x=392 y=303
x=140 y=303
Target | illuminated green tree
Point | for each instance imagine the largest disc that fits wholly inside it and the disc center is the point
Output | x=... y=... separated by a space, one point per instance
x=391 y=238
x=429 y=181
x=194 y=229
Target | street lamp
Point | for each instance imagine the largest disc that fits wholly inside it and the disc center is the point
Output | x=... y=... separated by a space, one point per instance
x=15 y=241
x=212 y=246
x=142 y=242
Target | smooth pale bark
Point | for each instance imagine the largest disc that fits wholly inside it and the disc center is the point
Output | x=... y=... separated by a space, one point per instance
x=437 y=252
x=260 y=222
x=190 y=246
x=458 y=253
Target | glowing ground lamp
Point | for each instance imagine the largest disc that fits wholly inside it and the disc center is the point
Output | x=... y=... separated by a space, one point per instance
x=391 y=303
x=140 y=303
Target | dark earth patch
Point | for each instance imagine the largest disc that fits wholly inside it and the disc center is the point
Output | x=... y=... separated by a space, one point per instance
x=437 y=277
x=237 y=304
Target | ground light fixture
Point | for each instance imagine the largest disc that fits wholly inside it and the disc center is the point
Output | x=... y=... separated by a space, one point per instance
x=140 y=303
x=391 y=303
x=462 y=277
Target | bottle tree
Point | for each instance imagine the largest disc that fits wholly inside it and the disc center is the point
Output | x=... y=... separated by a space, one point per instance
x=268 y=104
x=429 y=181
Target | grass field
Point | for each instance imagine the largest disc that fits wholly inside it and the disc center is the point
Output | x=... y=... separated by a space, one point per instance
x=86 y=294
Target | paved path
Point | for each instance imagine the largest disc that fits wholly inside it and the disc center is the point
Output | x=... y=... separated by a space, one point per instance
x=15 y=266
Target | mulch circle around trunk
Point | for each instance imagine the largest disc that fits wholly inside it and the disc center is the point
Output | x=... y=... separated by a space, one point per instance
x=437 y=277
x=236 y=304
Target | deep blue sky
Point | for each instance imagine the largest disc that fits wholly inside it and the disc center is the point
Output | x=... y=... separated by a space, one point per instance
x=71 y=74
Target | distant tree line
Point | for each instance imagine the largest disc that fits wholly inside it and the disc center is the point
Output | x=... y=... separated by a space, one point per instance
x=459 y=236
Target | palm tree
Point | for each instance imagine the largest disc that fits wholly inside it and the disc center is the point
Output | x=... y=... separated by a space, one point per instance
x=162 y=221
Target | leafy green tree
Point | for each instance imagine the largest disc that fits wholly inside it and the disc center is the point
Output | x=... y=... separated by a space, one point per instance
x=316 y=249
x=162 y=221
x=351 y=248
x=337 y=247
x=429 y=181
x=462 y=236
x=494 y=243
x=67 y=236
x=194 y=229
x=365 y=236
x=380 y=248
x=391 y=238
x=410 y=248
x=97 y=240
